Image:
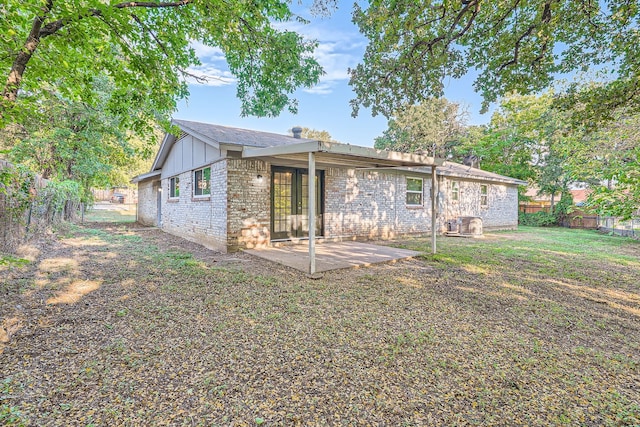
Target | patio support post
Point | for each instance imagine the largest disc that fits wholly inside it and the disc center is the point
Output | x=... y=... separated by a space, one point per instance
x=312 y=213
x=434 y=206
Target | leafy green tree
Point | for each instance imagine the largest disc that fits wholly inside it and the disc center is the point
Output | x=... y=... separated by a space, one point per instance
x=503 y=151
x=526 y=140
x=145 y=47
x=435 y=127
x=86 y=144
x=609 y=161
x=515 y=46
x=504 y=146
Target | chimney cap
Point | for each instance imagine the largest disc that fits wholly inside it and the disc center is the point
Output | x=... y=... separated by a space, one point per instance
x=297 y=132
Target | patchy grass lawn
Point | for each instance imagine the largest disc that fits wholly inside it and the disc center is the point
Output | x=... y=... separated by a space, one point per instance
x=111 y=212
x=124 y=325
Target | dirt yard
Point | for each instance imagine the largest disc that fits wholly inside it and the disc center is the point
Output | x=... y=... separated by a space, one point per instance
x=122 y=325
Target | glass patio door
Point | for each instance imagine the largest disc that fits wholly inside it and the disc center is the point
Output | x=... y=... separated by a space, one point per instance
x=290 y=203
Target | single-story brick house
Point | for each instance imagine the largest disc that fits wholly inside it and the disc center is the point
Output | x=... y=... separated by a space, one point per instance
x=230 y=188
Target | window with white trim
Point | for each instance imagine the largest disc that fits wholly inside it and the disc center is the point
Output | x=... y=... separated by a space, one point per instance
x=455 y=191
x=174 y=187
x=202 y=182
x=484 y=195
x=414 y=191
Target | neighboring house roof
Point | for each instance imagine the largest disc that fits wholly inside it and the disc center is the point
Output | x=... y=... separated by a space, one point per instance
x=579 y=196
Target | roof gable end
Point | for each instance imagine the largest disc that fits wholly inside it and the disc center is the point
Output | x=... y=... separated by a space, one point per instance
x=216 y=135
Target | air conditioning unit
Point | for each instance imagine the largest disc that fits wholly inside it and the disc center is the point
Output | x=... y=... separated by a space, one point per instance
x=453 y=226
x=465 y=226
x=471 y=225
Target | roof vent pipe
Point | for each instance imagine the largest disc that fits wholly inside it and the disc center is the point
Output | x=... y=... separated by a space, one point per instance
x=297 y=132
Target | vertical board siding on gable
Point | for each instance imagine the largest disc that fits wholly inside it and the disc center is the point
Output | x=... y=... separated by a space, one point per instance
x=211 y=154
x=372 y=204
x=189 y=153
x=198 y=154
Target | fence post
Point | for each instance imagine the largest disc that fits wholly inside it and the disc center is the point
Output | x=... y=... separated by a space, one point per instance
x=29 y=218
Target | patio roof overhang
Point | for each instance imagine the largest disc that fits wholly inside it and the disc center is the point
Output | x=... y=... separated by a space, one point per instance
x=338 y=154
x=145 y=176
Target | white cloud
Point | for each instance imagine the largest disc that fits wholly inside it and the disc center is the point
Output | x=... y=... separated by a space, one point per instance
x=322 y=88
x=210 y=75
x=337 y=51
x=213 y=71
x=207 y=53
x=336 y=58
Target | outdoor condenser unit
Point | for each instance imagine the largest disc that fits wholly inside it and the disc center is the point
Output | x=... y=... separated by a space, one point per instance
x=467 y=226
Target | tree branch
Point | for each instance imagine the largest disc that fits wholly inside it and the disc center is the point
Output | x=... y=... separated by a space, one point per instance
x=10 y=92
x=546 y=17
x=53 y=27
x=148 y=4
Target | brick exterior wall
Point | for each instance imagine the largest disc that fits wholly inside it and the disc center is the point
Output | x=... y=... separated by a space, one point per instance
x=248 y=204
x=372 y=205
x=199 y=219
x=501 y=212
x=148 y=202
x=359 y=204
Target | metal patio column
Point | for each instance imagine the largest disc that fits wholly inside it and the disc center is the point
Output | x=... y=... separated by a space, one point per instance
x=434 y=206
x=312 y=213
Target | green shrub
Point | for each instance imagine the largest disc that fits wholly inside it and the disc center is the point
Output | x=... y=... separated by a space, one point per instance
x=538 y=219
x=60 y=199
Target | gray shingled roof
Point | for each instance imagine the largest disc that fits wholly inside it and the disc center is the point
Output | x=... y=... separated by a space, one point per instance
x=235 y=136
x=464 y=171
x=253 y=138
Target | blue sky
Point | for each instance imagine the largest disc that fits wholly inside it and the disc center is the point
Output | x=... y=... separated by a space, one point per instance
x=323 y=107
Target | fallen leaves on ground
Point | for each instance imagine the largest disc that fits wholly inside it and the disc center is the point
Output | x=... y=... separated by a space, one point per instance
x=122 y=325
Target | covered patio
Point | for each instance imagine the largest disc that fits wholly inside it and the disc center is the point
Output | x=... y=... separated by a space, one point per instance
x=313 y=153
x=332 y=255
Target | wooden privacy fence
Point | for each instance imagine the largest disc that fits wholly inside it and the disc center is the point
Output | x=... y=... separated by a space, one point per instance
x=574 y=220
x=534 y=208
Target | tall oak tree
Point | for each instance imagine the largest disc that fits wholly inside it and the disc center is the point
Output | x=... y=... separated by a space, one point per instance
x=145 y=47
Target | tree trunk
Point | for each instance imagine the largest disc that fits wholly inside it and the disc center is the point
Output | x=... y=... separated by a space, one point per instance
x=10 y=93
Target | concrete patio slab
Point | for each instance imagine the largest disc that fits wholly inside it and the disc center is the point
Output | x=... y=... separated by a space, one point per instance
x=332 y=255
